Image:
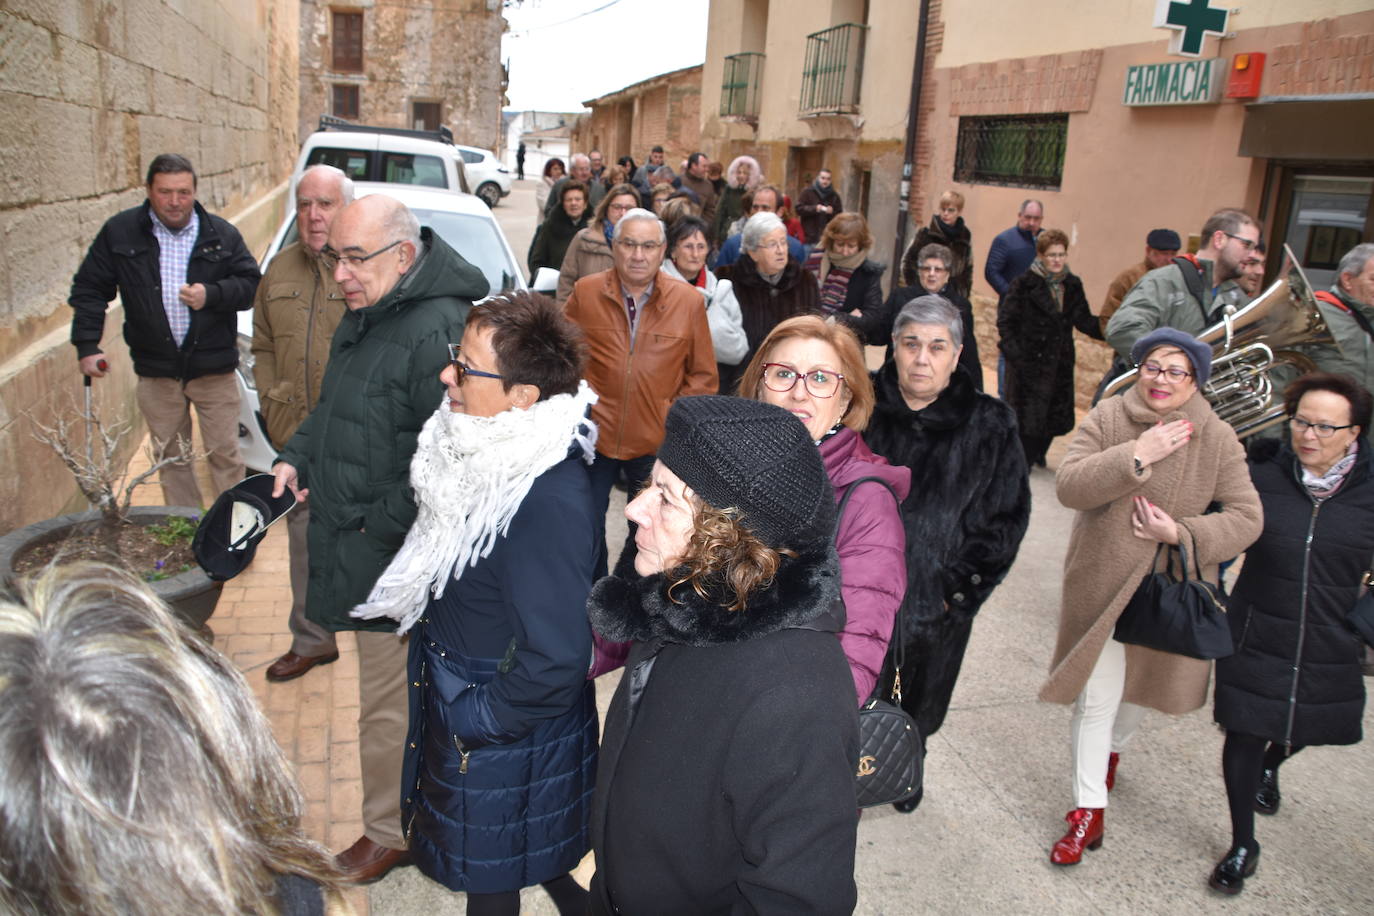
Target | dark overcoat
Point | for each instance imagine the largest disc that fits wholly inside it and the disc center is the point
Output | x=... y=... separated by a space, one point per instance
x=965 y=516
x=1295 y=677
x=726 y=782
x=957 y=239
x=1036 y=336
x=353 y=452
x=499 y=665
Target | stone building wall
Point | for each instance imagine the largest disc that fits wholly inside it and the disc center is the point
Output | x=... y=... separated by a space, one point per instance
x=664 y=110
x=445 y=51
x=91 y=91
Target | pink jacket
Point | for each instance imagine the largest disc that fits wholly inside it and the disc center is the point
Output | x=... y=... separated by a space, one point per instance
x=871 y=542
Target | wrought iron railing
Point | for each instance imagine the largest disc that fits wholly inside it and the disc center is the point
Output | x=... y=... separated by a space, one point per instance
x=833 y=70
x=739 y=85
x=1021 y=150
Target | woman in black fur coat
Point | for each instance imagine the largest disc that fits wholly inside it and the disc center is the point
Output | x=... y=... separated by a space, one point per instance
x=969 y=502
x=1035 y=323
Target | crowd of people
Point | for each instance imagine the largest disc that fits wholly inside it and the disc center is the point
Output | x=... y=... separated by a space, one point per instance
x=793 y=518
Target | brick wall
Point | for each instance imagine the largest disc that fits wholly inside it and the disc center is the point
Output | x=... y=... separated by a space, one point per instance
x=1322 y=62
x=413 y=50
x=89 y=93
x=666 y=112
x=1026 y=85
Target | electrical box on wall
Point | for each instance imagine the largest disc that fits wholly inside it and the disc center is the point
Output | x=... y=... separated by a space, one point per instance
x=1247 y=70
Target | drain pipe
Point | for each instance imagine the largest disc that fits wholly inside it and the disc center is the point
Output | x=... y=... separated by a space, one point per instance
x=912 y=125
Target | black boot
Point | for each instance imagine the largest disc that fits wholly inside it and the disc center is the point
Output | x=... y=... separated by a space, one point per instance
x=1230 y=874
x=1267 y=796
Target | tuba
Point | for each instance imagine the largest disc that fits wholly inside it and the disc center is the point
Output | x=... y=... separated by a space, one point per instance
x=1249 y=344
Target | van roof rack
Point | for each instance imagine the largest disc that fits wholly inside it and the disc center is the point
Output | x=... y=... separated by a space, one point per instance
x=443 y=134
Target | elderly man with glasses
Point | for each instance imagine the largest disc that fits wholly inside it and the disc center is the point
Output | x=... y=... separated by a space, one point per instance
x=649 y=343
x=1189 y=293
x=408 y=296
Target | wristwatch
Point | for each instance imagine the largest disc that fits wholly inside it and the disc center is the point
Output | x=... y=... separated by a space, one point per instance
x=1139 y=468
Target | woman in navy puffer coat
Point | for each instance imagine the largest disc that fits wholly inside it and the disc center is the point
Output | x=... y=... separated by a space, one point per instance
x=1295 y=677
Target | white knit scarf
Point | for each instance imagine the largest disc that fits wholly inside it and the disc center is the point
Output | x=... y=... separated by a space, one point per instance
x=470 y=475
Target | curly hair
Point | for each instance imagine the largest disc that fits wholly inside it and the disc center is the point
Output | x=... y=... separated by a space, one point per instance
x=1050 y=237
x=724 y=561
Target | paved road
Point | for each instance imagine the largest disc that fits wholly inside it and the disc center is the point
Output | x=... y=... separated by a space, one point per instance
x=998 y=785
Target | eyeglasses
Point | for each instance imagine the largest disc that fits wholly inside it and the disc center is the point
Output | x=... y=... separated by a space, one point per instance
x=1173 y=373
x=333 y=259
x=619 y=208
x=772 y=246
x=1247 y=244
x=818 y=382
x=1323 y=430
x=646 y=247
x=934 y=269
x=460 y=368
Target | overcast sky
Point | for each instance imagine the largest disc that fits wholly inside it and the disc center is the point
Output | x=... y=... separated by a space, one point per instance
x=563 y=52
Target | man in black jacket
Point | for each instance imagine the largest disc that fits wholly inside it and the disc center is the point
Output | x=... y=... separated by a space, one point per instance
x=181 y=274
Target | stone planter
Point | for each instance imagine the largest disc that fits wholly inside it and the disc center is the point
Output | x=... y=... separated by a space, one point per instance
x=192 y=594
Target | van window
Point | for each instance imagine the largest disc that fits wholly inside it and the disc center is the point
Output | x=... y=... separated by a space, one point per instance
x=355 y=163
x=408 y=168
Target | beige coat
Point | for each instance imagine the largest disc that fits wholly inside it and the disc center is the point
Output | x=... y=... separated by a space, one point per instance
x=1106 y=562
x=587 y=254
x=295 y=312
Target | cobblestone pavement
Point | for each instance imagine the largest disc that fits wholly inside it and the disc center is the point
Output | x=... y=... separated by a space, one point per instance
x=997 y=773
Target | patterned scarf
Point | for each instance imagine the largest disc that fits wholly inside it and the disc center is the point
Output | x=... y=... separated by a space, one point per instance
x=833 y=273
x=1325 y=485
x=470 y=475
x=1055 y=280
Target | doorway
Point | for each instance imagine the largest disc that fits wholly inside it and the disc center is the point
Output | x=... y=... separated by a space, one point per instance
x=1321 y=213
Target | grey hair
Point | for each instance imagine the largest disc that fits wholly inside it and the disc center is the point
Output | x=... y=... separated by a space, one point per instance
x=140 y=775
x=345 y=183
x=639 y=214
x=756 y=227
x=939 y=252
x=931 y=309
x=1027 y=202
x=401 y=224
x=1355 y=259
x=575 y=158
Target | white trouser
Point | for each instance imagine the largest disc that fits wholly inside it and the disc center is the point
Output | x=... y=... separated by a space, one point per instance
x=1101 y=724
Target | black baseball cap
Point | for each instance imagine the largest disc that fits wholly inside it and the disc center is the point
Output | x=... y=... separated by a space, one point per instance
x=229 y=533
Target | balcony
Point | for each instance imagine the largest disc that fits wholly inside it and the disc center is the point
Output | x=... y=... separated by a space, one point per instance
x=832 y=72
x=739 y=86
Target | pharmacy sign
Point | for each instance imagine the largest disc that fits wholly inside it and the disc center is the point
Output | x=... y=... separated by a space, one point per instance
x=1192 y=21
x=1179 y=82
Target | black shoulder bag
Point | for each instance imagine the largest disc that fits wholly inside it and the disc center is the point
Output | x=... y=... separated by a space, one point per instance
x=1183 y=616
x=891 y=751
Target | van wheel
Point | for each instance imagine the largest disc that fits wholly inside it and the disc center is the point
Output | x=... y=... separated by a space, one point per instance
x=490 y=193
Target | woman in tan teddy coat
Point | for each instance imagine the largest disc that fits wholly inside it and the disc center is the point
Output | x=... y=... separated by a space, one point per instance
x=1153 y=466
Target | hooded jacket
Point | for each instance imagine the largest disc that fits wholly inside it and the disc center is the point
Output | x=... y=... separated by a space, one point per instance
x=124 y=259
x=1295 y=677
x=726 y=779
x=354 y=450
x=872 y=547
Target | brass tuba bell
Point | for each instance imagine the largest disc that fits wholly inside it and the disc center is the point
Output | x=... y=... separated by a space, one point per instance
x=1249 y=344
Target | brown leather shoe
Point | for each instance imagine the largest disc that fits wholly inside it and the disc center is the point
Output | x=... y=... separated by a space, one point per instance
x=291 y=665
x=365 y=861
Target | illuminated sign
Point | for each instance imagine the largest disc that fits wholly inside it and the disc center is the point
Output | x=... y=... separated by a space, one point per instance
x=1192 y=21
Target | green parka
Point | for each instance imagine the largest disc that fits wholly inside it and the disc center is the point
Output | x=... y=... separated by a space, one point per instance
x=353 y=452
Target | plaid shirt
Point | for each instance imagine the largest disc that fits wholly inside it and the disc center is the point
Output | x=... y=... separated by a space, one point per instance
x=176 y=246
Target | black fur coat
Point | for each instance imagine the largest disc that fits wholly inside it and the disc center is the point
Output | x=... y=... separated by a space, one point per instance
x=965 y=516
x=726 y=777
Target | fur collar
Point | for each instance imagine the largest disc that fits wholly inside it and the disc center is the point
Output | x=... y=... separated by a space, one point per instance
x=628 y=606
x=745 y=273
x=951 y=409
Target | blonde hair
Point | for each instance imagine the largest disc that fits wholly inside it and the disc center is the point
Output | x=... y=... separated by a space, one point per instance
x=140 y=775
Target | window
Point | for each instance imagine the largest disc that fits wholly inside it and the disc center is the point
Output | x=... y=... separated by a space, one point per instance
x=1022 y=150
x=348 y=42
x=410 y=168
x=344 y=102
x=424 y=115
x=355 y=163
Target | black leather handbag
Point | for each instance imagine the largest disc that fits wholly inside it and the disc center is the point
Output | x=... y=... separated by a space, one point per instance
x=1185 y=616
x=891 y=752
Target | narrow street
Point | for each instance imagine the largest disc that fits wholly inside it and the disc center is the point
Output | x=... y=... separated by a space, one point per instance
x=997 y=783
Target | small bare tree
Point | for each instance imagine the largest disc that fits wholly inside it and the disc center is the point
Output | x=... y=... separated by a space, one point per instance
x=106 y=484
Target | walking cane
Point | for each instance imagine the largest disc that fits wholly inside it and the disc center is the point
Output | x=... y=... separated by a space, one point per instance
x=90 y=450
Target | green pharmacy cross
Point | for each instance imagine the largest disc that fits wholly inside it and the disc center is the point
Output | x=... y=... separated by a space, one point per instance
x=1191 y=21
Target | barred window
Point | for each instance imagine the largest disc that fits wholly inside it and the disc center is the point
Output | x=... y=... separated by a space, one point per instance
x=1020 y=150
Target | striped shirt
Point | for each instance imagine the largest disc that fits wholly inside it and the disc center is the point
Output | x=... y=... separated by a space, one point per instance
x=176 y=246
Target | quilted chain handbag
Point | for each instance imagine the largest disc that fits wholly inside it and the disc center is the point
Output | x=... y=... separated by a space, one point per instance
x=890 y=747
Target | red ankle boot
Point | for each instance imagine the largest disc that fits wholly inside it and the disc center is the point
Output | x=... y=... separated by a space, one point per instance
x=1085 y=830
x=1112 y=761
